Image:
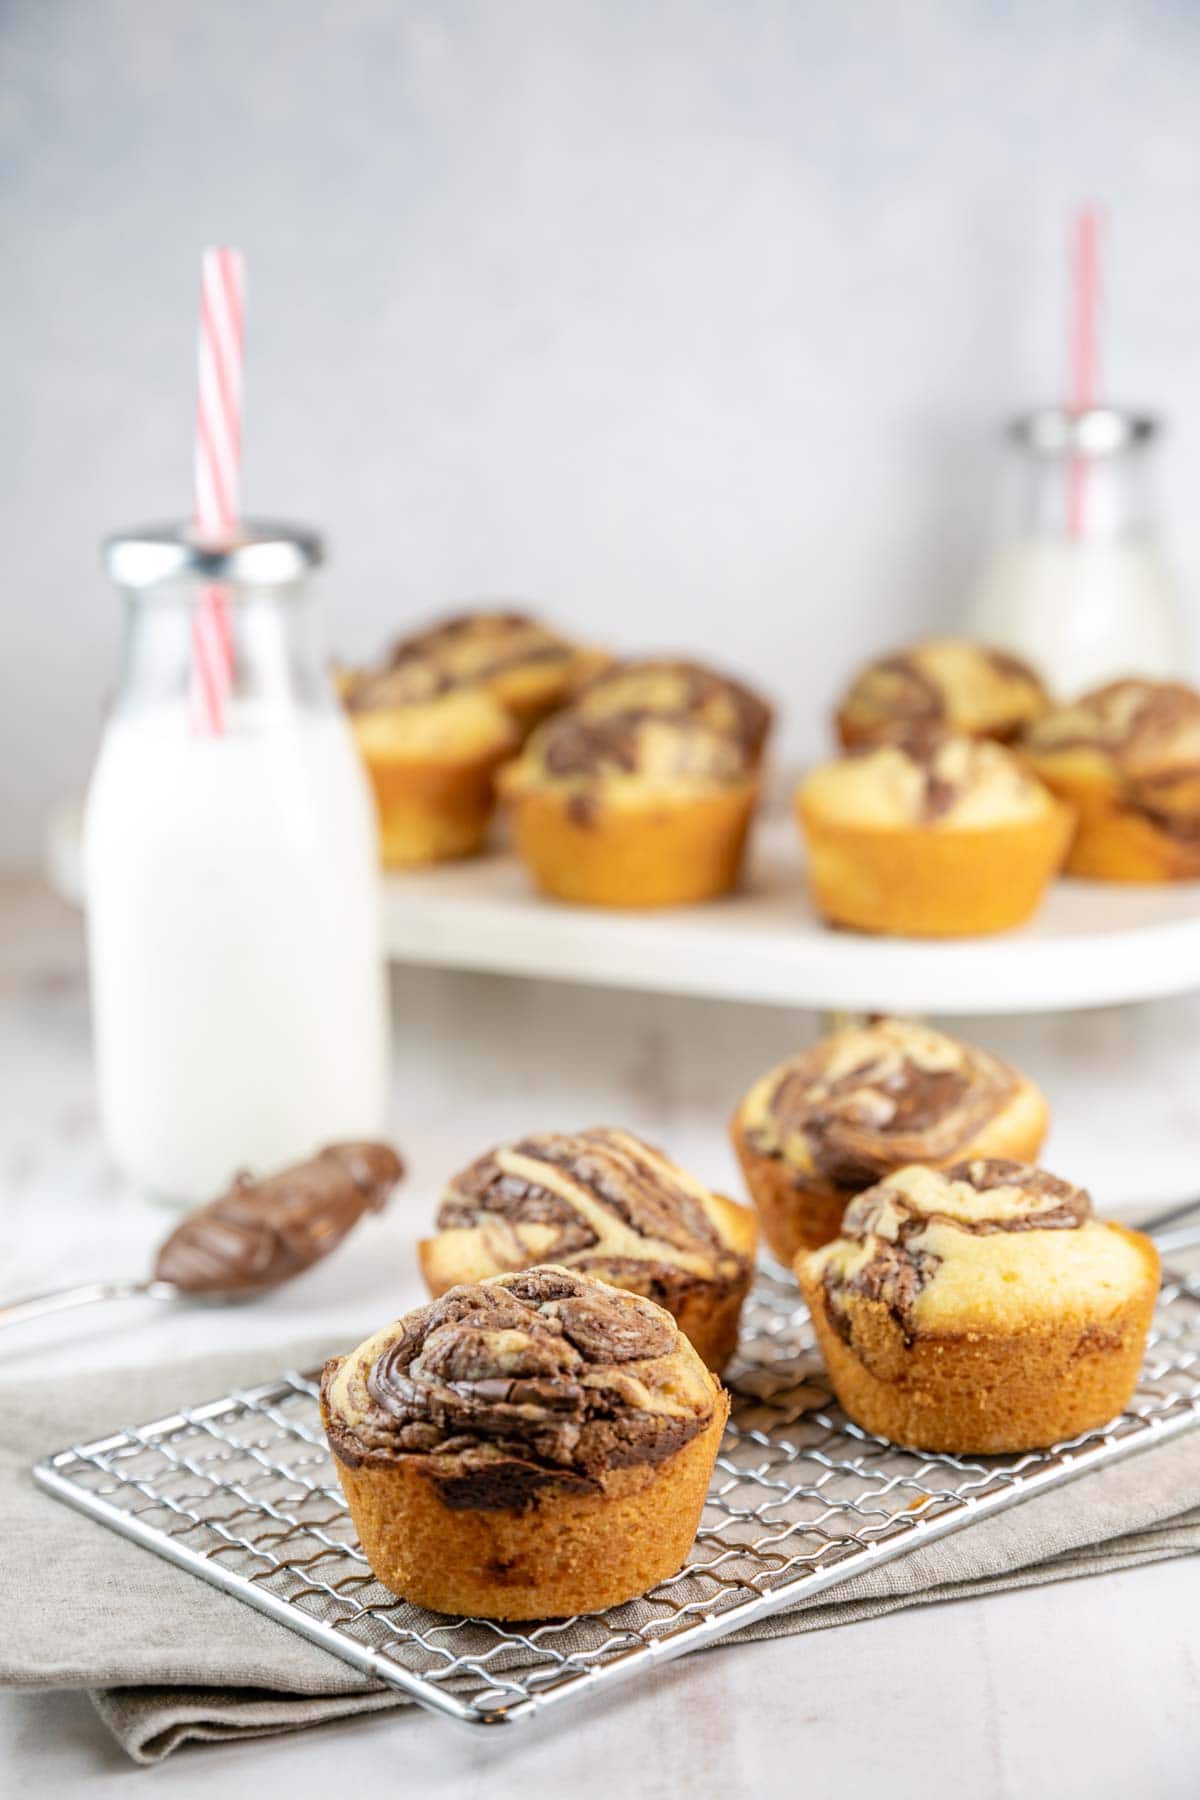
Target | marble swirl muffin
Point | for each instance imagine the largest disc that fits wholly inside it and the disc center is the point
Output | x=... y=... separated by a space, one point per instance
x=640 y=793
x=1127 y=758
x=980 y=1309
x=812 y=1133
x=606 y=1204
x=431 y=750
x=942 y=681
x=930 y=834
x=527 y=1447
x=530 y=669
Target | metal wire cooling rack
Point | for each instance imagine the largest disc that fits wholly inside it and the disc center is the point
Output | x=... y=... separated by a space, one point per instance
x=242 y=1492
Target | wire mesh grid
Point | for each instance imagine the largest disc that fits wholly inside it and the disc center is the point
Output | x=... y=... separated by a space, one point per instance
x=242 y=1491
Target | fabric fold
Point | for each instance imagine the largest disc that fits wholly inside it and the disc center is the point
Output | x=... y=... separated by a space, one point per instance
x=169 y=1660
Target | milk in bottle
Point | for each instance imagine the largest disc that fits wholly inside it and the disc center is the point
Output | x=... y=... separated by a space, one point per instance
x=231 y=883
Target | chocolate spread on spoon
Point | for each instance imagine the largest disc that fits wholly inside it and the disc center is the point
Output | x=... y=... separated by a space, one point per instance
x=261 y=1233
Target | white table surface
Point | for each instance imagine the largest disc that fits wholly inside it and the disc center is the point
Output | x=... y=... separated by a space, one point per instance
x=1088 y=1688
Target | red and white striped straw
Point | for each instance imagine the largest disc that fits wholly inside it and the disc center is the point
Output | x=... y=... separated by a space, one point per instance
x=1083 y=349
x=217 y=471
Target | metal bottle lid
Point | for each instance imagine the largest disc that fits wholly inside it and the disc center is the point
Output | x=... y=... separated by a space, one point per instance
x=1100 y=431
x=264 y=553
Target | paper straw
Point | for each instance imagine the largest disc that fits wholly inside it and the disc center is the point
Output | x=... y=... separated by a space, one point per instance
x=1083 y=350
x=217 y=471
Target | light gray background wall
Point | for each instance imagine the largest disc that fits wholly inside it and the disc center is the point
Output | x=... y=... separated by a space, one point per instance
x=689 y=319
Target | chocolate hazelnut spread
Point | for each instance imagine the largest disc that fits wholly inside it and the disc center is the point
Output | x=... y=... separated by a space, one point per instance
x=906 y=1096
x=616 y=1208
x=504 y=1386
x=264 y=1231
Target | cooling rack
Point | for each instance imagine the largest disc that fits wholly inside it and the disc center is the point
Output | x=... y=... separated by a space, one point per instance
x=242 y=1492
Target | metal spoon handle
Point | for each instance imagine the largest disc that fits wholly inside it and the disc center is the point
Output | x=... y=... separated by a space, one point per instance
x=59 y=1299
x=1167 y=1227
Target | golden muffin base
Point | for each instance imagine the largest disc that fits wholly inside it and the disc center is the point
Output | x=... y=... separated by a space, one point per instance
x=565 y=1553
x=1114 y=842
x=708 y=1313
x=432 y=809
x=910 y=881
x=800 y=1211
x=665 y=851
x=986 y=1392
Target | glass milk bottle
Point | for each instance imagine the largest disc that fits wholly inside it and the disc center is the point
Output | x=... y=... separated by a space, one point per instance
x=231 y=881
x=1078 y=585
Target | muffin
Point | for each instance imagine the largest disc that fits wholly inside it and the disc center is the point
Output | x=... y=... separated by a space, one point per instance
x=933 y=834
x=863 y=1102
x=527 y=1447
x=980 y=1309
x=520 y=662
x=942 y=681
x=603 y=1203
x=431 y=751
x=1127 y=758
x=619 y=802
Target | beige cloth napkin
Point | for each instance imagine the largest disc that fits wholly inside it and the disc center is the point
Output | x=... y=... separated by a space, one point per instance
x=168 y=1659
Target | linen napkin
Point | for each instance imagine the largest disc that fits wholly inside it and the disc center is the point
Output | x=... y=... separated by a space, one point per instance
x=168 y=1659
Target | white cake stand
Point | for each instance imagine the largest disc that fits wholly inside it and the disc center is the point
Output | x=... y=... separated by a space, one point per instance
x=1092 y=944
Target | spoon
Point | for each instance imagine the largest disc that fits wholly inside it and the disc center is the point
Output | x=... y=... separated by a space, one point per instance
x=254 y=1237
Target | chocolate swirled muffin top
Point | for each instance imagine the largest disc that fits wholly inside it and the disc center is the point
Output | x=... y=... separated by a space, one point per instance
x=601 y=1201
x=475 y=647
x=867 y=1100
x=477 y=677
x=657 y=725
x=517 y=660
x=943 y=681
x=1142 y=736
x=989 y=1242
x=504 y=1386
x=671 y=688
x=928 y=778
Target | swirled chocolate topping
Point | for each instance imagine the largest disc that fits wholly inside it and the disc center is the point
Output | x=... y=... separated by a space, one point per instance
x=896 y=689
x=464 y=651
x=598 y=1200
x=986 y=1194
x=672 y=688
x=896 y=1235
x=863 y=1102
x=944 y=681
x=950 y=766
x=472 y=646
x=505 y=1385
x=1134 y=720
x=263 y=1232
x=656 y=746
x=415 y=682
x=1150 y=730
x=575 y=746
